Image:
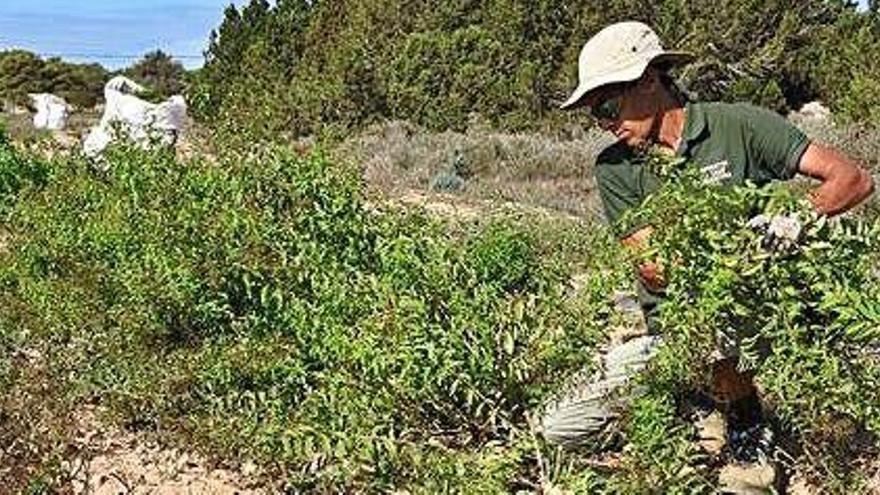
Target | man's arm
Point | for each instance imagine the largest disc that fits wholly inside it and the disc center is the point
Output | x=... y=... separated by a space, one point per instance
x=844 y=184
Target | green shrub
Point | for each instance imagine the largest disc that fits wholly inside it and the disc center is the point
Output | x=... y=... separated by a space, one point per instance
x=442 y=77
x=843 y=73
x=260 y=307
x=661 y=456
x=160 y=74
x=18 y=171
x=805 y=314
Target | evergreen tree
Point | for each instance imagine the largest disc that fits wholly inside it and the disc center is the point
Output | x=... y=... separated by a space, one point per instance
x=298 y=65
x=160 y=73
x=22 y=72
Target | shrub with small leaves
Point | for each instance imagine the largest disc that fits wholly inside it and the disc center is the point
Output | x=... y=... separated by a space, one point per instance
x=260 y=307
x=796 y=293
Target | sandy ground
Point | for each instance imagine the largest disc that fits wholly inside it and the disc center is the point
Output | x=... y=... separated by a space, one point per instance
x=114 y=462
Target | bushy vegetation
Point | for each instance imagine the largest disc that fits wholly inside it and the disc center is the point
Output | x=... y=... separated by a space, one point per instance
x=160 y=73
x=261 y=308
x=297 y=66
x=22 y=72
x=797 y=293
x=17 y=171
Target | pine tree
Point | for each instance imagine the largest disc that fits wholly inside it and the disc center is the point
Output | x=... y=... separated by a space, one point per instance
x=160 y=73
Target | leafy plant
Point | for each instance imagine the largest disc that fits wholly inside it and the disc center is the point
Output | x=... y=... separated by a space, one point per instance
x=262 y=308
x=802 y=307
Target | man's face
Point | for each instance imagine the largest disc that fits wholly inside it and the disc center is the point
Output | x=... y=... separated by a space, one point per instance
x=628 y=111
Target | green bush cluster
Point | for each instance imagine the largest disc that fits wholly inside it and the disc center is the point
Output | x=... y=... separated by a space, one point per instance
x=297 y=66
x=160 y=74
x=18 y=171
x=262 y=307
x=803 y=310
x=82 y=85
x=23 y=72
x=845 y=70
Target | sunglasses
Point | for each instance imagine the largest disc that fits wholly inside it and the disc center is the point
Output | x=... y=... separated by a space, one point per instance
x=607 y=109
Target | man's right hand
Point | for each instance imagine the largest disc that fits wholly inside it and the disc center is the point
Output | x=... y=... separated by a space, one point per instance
x=650 y=272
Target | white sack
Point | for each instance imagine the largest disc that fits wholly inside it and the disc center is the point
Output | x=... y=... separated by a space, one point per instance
x=143 y=122
x=123 y=85
x=97 y=141
x=52 y=111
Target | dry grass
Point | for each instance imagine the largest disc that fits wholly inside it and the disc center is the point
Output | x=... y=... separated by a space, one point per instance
x=532 y=169
x=399 y=158
x=34 y=425
x=21 y=128
x=80 y=122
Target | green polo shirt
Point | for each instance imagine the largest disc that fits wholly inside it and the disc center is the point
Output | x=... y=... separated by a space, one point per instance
x=731 y=143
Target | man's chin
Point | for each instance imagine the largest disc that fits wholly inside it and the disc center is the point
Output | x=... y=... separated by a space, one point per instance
x=635 y=143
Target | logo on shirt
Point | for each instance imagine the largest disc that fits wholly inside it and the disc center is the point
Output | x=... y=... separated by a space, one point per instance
x=716 y=173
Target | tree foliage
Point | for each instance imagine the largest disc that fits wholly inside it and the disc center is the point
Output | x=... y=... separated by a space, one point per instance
x=299 y=65
x=82 y=85
x=160 y=73
x=22 y=72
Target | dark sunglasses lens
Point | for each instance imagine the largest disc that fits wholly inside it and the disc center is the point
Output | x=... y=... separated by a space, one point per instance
x=607 y=110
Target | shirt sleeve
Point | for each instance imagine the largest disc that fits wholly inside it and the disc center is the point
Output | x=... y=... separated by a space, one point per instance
x=620 y=189
x=776 y=145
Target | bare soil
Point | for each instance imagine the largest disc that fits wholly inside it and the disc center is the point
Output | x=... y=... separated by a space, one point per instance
x=110 y=462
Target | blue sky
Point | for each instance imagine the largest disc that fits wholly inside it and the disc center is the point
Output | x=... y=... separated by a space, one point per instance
x=112 y=27
x=93 y=28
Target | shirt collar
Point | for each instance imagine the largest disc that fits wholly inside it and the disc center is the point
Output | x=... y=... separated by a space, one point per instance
x=694 y=127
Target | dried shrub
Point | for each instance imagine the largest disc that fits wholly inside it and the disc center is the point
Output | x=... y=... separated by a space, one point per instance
x=530 y=168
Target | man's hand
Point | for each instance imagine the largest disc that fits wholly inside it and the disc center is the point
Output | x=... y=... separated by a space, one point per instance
x=844 y=183
x=650 y=272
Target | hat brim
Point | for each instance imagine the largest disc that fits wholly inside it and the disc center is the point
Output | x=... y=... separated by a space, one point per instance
x=666 y=59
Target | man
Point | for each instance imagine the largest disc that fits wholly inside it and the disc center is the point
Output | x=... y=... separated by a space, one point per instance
x=624 y=84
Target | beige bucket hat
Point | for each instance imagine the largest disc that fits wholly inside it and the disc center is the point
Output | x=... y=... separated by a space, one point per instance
x=620 y=53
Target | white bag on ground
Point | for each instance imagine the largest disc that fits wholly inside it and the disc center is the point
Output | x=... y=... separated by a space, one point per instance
x=126 y=115
x=52 y=111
